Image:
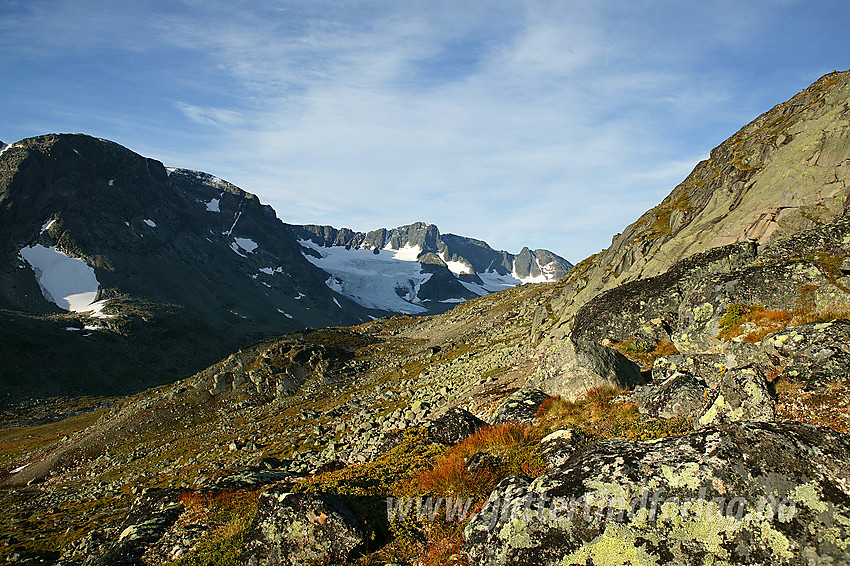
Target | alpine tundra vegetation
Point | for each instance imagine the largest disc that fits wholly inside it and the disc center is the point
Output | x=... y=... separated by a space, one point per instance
x=679 y=398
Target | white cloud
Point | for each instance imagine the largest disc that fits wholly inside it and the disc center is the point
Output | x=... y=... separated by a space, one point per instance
x=209 y=116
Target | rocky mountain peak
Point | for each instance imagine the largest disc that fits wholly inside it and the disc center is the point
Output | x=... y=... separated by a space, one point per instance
x=784 y=172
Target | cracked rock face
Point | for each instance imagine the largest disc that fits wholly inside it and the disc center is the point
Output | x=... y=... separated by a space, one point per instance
x=743 y=493
x=297 y=529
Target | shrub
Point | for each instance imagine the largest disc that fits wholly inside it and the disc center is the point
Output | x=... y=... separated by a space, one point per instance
x=229 y=515
x=513 y=444
x=596 y=417
x=753 y=319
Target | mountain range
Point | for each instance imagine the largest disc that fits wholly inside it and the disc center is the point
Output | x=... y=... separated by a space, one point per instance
x=679 y=398
x=177 y=268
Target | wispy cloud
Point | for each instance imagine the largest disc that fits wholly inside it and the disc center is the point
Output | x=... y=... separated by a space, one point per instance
x=209 y=116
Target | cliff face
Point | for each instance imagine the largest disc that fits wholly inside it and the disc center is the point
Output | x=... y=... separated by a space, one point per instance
x=784 y=172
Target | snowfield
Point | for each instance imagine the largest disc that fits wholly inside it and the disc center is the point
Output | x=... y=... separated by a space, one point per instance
x=391 y=279
x=69 y=283
x=370 y=279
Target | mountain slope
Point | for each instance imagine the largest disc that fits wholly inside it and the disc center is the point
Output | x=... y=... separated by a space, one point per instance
x=185 y=267
x=415 y=269
x=784 y=172
x=735 y=337
x=118 y=274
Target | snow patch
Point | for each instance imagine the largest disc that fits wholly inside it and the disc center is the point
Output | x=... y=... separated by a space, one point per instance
x=46 y=226
x=5 y=146
x=150 y=222
x=337 y=302
x=19 y=469
x=407 y=253
x=212 y=206
x=111 y=182
x=236 y=249
x=456 y=267
x=232 y=226
x=69 y=283
x=286 y=314
x=246 y=244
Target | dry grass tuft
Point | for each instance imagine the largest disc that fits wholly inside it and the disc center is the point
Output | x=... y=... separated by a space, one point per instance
x=514 y=446
x=597 y=417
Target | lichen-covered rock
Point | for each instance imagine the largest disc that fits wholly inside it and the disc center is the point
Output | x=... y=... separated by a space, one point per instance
x=557 y=447
x=571 y=371
x=297 y=529
x=776 y=286
x=151 y=515
x=680 y=395
x=453 y=426
x=742 y=493
x=519 y=407
x=742 y=395
x=649 y=308
x=815 y=353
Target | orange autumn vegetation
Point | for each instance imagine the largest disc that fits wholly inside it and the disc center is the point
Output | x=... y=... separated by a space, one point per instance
x=513 y=444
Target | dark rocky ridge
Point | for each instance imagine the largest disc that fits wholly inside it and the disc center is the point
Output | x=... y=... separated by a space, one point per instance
x=476 y=254
x=180 y=296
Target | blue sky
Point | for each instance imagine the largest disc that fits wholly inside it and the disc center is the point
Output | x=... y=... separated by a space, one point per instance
x=547 y=124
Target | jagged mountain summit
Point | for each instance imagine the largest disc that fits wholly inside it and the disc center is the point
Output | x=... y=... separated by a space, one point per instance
x=415 y=269
x=117 y=273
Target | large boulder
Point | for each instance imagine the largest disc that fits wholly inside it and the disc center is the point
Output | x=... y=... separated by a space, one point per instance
x=454 y=426
x=296 y=529
x=814 y=353
x=742 y=395
x=150 y=517
x=571 y=371
x=519 y=407
x=679 y=396
x=742 y=493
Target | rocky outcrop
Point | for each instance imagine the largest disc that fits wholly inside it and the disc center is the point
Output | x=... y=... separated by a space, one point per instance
x=815 y=353
x=152 y=514
x=783 y=173
x=300 y=529
x=743 y=493
x=519 y=407
x=679 y=396
x=772 y=287
x=741 y=395
x=453 y=426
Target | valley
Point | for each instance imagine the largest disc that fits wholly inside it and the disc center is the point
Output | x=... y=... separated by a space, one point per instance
x=686 y=389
